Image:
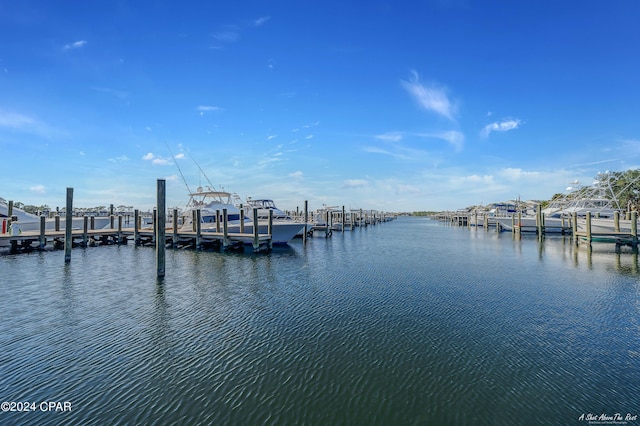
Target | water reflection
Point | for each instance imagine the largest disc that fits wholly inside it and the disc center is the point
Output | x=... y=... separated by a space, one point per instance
x=390 y=324
x=619 y=259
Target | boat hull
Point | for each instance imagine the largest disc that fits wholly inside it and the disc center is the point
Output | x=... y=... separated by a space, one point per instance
x=282 y=233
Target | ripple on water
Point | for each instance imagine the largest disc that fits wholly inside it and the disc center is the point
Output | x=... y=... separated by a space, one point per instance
x=453 y=327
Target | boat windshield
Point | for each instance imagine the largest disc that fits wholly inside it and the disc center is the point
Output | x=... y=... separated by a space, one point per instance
x=262 y=204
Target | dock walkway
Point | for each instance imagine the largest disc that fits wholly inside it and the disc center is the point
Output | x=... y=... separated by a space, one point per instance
x=26 y=240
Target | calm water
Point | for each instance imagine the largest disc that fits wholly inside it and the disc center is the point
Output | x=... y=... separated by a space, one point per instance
x=409 y=322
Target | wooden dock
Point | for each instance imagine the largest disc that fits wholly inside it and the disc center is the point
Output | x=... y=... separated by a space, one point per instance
x=615 y=235
x=36 y=240
x=580 y=228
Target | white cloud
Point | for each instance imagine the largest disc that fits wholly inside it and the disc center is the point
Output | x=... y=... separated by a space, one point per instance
x=503 y=126
x=453 y=137
x=39 y=189
x=271 y=137
x=355 y=183
x=376 y=150
x=207 y=108
x=75 y=45
x=261 y=20
x=157 y=160
x=296 y=175
x=161 y=162
x=227 y=36
x=15 y=120
x=400 y=153
x=630 y=147
x=407 y=189
x=390 y=137
x=432 y=99
x=26 y=124
x=118 y=159
x=518 y=174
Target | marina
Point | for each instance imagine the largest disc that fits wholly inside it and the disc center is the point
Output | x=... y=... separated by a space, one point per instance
x=588 y=229
x=372 y=326
x=319 y=213
x=211 y=220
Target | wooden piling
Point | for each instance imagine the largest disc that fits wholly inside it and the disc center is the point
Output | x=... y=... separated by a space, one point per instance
x=306 y=220
x=43 y=227
x=136 y=226
x=574 y=226
x=68 y=239
x=616 y=221
x=540 y=222
x=588 y=225
x=199 y=229
x=270 y=228
x=154 y=220
x=343 y=217
x=161 y=246
x=256 y=239
x=174 y=240
x=120 y=238
x=225 y=228
x=634 y=226
x=85 y=231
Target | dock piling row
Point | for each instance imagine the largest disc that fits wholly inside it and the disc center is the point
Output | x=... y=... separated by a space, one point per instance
x=581 y=229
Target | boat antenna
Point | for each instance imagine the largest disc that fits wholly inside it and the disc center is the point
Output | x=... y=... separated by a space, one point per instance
x=179 y=169
x=200 y=168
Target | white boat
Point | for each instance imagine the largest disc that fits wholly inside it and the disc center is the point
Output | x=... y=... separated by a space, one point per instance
x=211 y=204
x=266 y=205
x=606 y=225
x=598 y=207
x=554 y=207
x=530 y=223
x=26 y=221
x=599 y=199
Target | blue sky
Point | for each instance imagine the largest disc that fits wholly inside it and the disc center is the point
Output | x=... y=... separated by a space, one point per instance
x=387 y=105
